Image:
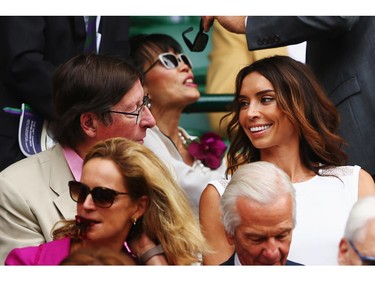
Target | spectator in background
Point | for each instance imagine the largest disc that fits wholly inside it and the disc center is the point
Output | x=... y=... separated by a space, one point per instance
x=259 y=214
x=125 y=194
x=357 y=247
x=340 y=50
x=169 y=80
x=95 y=97
x=280 y=114
x=31 y=49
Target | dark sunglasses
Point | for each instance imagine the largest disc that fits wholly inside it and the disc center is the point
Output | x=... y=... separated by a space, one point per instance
x=170 y=61
x=103 y=197
x=200 y=41
x=366 y=260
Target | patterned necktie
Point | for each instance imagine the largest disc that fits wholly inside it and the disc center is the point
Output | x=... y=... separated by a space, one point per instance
x=90 y=42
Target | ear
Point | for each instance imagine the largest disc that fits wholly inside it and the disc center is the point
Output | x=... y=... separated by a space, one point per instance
x=143 y=203
x=343 y=253
x=145 y=88
x=89 y=123
x=230 y=238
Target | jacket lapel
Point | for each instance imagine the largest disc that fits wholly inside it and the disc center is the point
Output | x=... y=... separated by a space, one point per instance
x=59 y=177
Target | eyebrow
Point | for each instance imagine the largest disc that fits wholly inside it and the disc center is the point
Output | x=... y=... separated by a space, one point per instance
x=258 y=93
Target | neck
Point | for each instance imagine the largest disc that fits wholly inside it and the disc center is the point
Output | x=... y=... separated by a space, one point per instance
x=169 y=129
x=290 y=161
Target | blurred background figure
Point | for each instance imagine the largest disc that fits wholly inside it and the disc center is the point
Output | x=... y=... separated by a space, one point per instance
x=357 y=247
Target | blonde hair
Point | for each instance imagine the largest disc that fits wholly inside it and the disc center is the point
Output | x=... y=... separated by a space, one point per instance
x=169 y=219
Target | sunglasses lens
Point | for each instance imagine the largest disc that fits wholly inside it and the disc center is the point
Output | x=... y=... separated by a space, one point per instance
x=169 y=61
x=186 y=60
x=103 y=197
x=200 y=42
x=78 y=191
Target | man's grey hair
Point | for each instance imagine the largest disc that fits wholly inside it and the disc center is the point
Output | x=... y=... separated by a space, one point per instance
x=261 y=182
x=362 y=212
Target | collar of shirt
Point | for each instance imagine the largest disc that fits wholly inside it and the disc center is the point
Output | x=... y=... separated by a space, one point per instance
x=74 y=162
x=236 y=260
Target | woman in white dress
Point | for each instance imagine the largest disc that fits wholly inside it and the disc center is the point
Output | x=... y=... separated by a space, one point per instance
x=282 y=115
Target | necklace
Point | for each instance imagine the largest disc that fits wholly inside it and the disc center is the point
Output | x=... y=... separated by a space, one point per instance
x=182 y=137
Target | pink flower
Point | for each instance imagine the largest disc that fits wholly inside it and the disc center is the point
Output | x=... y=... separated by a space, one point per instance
x=210 y=150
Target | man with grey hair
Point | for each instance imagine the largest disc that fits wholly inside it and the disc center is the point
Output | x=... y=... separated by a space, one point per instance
x=259 y=213
x=357 y=247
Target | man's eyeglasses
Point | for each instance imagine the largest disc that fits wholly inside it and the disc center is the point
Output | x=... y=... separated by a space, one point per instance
x=200 y=41
x=366 y=260
x=138 y=112
x=170 y=61
x=103 y=197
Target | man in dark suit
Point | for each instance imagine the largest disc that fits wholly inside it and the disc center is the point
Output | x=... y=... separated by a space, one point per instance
x=259 y=214
x=341 y=51
x=30 y=50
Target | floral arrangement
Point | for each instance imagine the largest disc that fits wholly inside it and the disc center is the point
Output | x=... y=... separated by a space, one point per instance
x=209 y=149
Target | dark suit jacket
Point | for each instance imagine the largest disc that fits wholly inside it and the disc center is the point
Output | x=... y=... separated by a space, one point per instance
x=30 y=50
x=230 y=261
x=341 y=51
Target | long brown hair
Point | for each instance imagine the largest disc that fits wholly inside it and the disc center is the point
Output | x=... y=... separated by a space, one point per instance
x=300 y=96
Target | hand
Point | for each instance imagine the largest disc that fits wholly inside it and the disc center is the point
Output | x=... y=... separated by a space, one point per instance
x=207 y=21
x=232 y=24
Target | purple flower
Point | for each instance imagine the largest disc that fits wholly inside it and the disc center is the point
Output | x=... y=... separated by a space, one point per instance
x=210 y=150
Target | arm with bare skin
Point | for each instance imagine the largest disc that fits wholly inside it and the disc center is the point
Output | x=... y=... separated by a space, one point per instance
x=212 y=227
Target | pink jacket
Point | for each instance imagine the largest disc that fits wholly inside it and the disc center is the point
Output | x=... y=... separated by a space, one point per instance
x=50 y=253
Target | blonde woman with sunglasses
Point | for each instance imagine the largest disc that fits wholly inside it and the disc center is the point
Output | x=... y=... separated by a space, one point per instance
x=128 y=202
x=169 y=81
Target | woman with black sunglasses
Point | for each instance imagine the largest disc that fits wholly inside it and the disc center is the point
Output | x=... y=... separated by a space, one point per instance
x=128 y=202
x=169 y=81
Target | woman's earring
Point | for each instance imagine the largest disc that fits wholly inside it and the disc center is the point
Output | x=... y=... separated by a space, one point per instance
x=134 y=221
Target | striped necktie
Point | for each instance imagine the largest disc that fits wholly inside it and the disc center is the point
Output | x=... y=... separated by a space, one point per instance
x=90 y=42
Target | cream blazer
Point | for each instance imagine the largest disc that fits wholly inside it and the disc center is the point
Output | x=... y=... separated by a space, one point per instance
x=34 y=195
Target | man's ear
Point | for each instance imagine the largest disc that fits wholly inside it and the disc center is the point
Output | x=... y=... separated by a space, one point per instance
x=89 y=123
x=230 y=238
x=145 y=88
x=343 y=253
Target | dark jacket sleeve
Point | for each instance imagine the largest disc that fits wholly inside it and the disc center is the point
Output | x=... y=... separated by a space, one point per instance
x=26 y=72
x=264 y=32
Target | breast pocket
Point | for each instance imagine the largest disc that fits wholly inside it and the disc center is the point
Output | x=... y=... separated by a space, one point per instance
x=345 y=90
